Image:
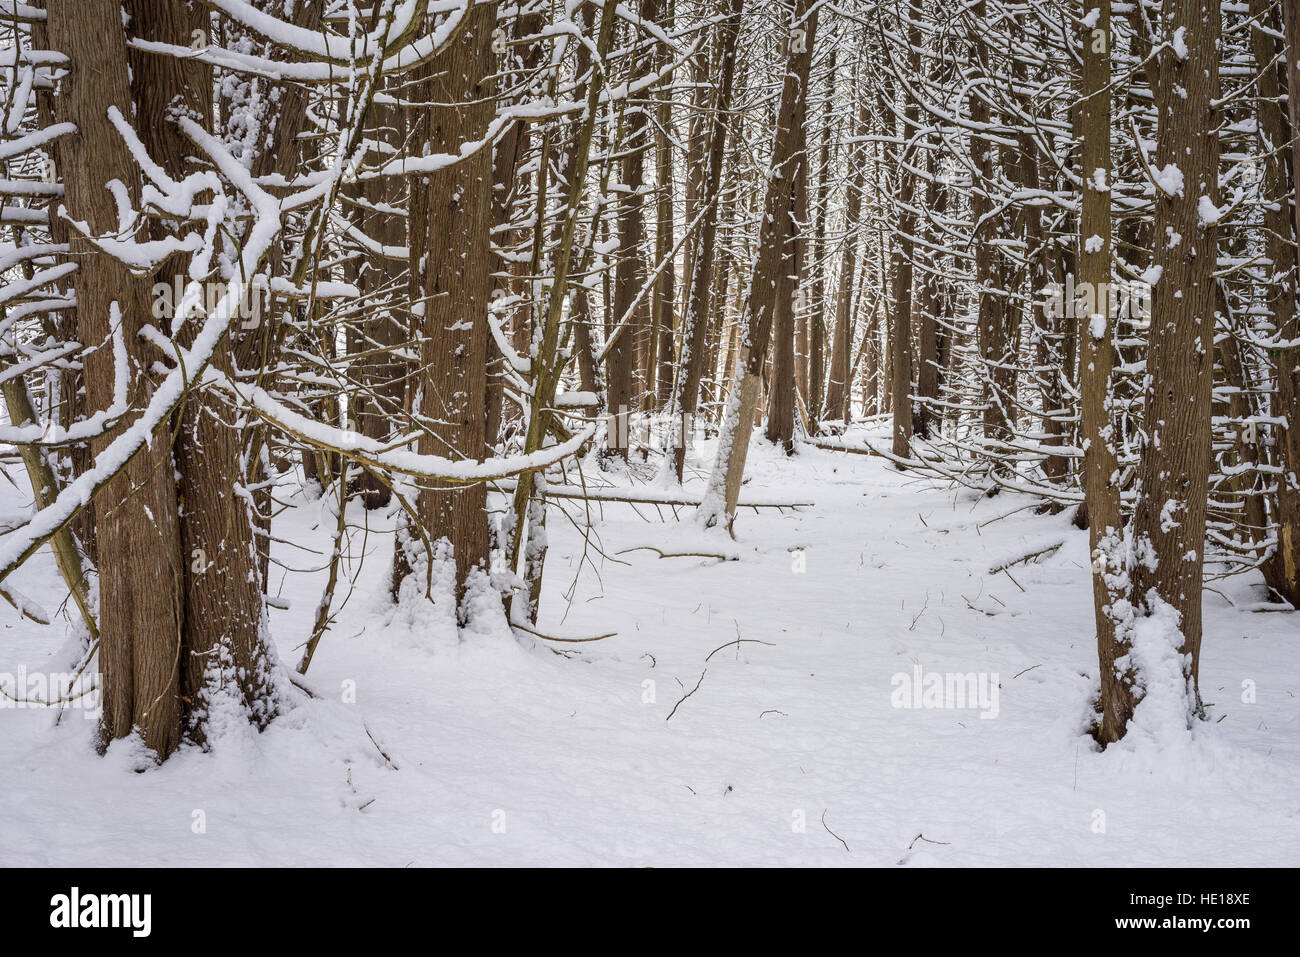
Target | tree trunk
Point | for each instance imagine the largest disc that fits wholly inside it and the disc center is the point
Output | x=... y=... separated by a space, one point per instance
x=1285 y=572
x=1100 y=468
x=451 y=267
x=817 y=334
x=837 y=389
x=695 y=321
x=760 y=300
x=223 y=647
x=782 y=382
x=900 y=333
x=927 y=336
x=991 y=326
x=1169 y=519
x=630 y=270
x=659 y=370
x=141 y=587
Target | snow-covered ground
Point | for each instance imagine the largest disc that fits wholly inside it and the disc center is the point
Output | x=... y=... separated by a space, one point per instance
x=792 y=748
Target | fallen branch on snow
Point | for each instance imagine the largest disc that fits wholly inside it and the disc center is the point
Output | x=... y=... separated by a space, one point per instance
x=1027 y=557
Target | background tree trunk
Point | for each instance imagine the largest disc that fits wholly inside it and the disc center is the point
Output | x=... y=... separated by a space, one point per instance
x=760 y=300
x=695 y=321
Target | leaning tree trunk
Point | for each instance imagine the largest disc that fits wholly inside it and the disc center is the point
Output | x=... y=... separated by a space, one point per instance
x=760 y=299
x=45 y=486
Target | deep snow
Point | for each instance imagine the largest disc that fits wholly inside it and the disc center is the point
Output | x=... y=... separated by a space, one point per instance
x=503 y=752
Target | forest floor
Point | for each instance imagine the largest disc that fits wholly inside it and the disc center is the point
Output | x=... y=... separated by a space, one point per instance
x=791 y=748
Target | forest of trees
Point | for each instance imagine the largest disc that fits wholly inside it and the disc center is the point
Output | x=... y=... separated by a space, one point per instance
x=409 y=253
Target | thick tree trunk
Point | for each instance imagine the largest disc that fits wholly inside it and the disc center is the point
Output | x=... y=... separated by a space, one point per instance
x=1169 y=519
x=142 y=585
x=451 y=267
x=1285 y=570
x=223 y=644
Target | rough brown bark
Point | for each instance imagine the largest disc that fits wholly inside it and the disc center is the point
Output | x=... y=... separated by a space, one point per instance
x=451 y=265
x=222 y=644
x=1285 y=571
x=1169 y=518
x=136 y=513
x=1100 y=468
